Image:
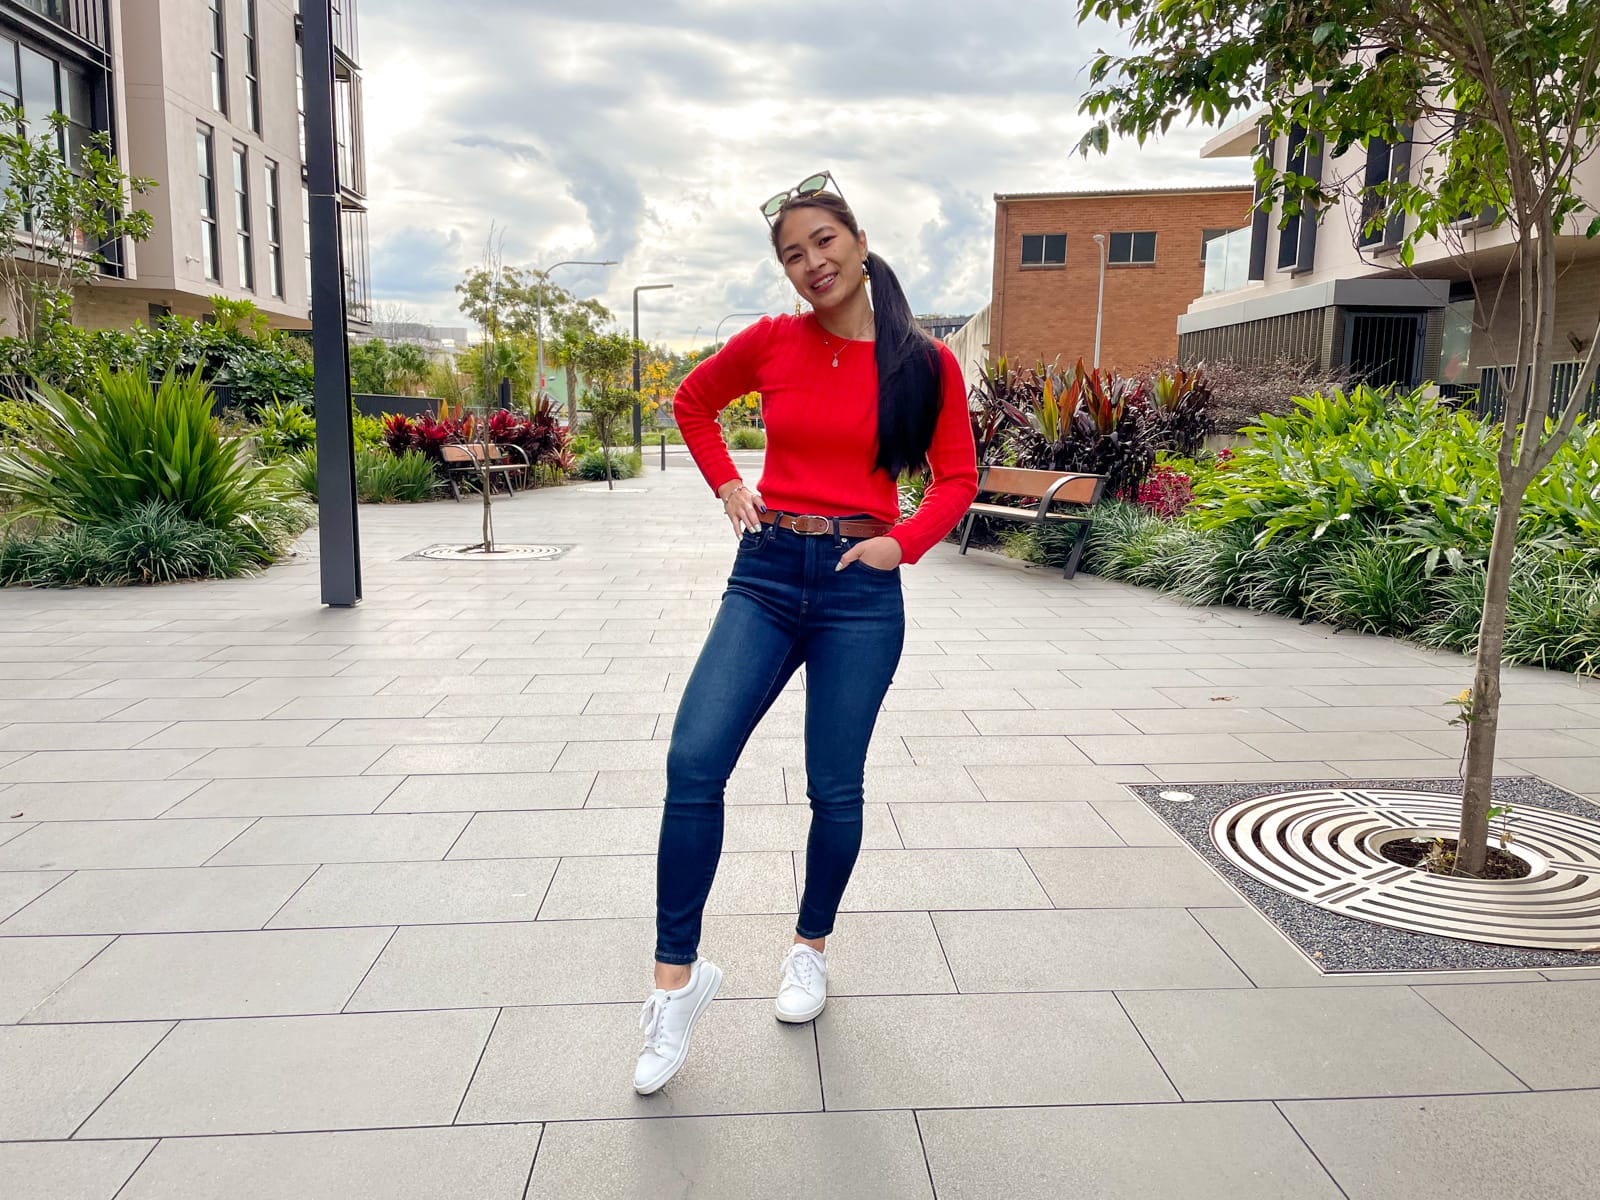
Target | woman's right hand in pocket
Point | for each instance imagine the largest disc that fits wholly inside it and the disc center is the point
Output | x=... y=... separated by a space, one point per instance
x=743 y=506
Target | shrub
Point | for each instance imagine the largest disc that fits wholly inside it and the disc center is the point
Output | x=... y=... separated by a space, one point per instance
x=285 y=428
x=90 y=461
x=624 y=465
x=152 y=543
x=381 y=477
x=1241 y=392
x=1552 y=610
x=746 y=438
x=1369 y=584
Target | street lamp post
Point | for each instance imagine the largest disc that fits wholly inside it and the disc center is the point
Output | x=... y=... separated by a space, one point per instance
x=1100 y=300
x=638 y=422
x=572 y=401
x=730 y=317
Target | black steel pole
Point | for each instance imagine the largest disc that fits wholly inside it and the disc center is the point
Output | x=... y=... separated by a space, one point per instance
x=338 y=532
x=638 y=425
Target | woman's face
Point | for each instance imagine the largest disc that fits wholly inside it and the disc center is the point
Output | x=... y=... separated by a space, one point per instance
x=821 y=256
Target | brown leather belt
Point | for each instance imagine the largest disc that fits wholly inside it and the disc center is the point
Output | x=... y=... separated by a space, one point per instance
x=814 y=526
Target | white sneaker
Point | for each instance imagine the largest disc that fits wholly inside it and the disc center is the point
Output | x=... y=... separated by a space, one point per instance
x=804 y=990
x=668 y=1020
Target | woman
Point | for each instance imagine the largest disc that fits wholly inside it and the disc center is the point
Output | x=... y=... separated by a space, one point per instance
x=852 y=394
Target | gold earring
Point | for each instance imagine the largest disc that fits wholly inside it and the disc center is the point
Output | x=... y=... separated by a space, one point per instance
x=865 y=274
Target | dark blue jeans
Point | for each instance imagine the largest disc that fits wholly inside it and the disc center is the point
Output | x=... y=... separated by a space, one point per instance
x=785 y=605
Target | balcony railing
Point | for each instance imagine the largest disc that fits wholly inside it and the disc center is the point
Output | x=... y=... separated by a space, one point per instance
x=85 y=19
x=1227 y=262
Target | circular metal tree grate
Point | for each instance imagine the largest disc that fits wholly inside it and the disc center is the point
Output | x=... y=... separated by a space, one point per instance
x=1323 y=845
x=501 y=551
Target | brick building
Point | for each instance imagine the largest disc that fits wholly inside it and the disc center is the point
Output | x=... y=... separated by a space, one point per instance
x=1047 y=270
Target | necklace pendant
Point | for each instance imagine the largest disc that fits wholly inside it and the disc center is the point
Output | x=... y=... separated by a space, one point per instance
x=836 y=360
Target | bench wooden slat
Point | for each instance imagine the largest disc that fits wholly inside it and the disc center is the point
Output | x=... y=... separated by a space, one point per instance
x=1022 y=481
x=1024 y=514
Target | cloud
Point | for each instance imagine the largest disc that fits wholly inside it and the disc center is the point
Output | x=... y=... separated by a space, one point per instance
x=649 y=131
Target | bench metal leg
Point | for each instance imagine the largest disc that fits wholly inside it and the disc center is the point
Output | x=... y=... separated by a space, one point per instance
x=966 y=530
x=1071 y=568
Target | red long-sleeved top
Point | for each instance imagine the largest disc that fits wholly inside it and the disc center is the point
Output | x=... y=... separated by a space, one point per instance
x=822 y=429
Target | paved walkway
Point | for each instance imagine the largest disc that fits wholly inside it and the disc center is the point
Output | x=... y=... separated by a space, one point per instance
x=307 y=903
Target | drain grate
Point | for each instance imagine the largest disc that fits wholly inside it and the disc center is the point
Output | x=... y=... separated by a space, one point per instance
x=501 y=551
x=1323 y=846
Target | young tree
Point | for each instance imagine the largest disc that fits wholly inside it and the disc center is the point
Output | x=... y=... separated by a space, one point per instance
x=601 y=359
x=371 y=368
x=1501 y=102
x=61 y=208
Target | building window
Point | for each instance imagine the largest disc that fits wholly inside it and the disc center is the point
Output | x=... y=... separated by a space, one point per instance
x=243 y=232
x=357 y=284
x=1044 y=249
x=1289 y=233
x=1207 y=236
x=300 y=93
x=274 y=232
x=305 y=231
x=219 y=59
x=1127 y=248
x=252 y=66
x=1380 y=161
x=210 y=248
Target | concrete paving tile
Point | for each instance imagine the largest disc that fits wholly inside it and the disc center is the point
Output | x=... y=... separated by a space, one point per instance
x=31 y=968
x=967 y=699
x=1547 y=1034
x=920 y=880
x=18 y=888
x=384 y=837
x=1128 y=877
x=1264 y=954
x=558 y=833
x=65 y=711
x=85 y=735
x=287 y=797
x=55 y=1075
x=998 y=1050
x=1258 y=771
x=1121 y=1152
x=1577 y=774
x=159 y=900
x=290 y=687
x=625 y=886
x=1570 y=974
x=349 y=708
x=1248 y=696
x=573 y=728
x=869 y=954
x=488 y=792
x=289 y=1074
x=1027 y=784
x=214 y=708
x=1539 y=1145
x=89 y=766
x=234 y=734
x=622 y=682
x=647 y=788
x=574 y=1063
x=497 y=703
x=1110 y=694
x=1377 y=719
x=870 y=1156
x=270 y=669
x=283 y=762
x=1049 y=823
x=1051 y=720
x=1082 y=950
x=1147 y=749
x=83 y=845
x=397 y=731
x=135 y=800
x=1295 y=1043
x=69 y=1170
x=926 y=723
x=490 y=1162
x=464 y=759
x=180 y=976
x=995 y=750
x=1371 y=696
x=418 y=893
x=1220 y=718
x=1173 y=674
x=1135 y=824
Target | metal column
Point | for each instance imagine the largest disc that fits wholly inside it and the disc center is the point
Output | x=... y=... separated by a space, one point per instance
x=338 y=533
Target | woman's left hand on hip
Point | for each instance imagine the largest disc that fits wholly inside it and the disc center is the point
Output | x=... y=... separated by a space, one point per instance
x=884 y=553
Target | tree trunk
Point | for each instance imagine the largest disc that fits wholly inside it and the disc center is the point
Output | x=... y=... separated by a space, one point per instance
x=1483 y=727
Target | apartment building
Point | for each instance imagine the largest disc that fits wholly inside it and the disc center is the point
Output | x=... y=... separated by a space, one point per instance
x=1324 y=289
x=1047 y=270
x=207 y=98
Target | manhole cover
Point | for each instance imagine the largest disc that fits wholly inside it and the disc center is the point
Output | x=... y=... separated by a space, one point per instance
x=1321 y=845
x=501 y=551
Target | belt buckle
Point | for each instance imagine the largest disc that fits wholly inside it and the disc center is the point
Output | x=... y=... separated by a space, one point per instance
x=802 y=525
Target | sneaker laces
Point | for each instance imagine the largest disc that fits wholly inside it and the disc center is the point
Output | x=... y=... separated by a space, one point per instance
x=799 y=967
x=653 y=1020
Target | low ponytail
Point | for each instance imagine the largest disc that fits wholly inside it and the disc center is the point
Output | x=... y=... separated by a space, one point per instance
x=909 y=369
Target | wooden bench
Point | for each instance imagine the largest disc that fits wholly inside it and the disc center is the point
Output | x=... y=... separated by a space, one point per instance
x=466 y=462
x=1047 y=487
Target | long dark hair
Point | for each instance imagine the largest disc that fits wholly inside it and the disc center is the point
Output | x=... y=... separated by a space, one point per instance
x=909 y=366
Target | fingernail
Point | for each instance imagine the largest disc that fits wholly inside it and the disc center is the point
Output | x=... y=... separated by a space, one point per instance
x=839 y=566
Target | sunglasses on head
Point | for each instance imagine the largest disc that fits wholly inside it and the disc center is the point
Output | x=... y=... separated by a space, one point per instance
x=809 y=186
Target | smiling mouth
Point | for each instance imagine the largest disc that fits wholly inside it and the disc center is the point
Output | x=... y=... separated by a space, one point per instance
x=826 y=282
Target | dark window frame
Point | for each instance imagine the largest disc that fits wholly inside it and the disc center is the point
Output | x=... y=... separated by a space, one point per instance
x=273 y=176
x=243 y=227
x=1044 y=243
x=249 y=19
x=219 y=56
x=1126 y=252
x=210 y=234
x=1294 y=159
x=1208 y=235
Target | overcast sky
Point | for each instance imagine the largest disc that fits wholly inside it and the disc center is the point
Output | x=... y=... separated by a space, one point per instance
x=649 y=131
